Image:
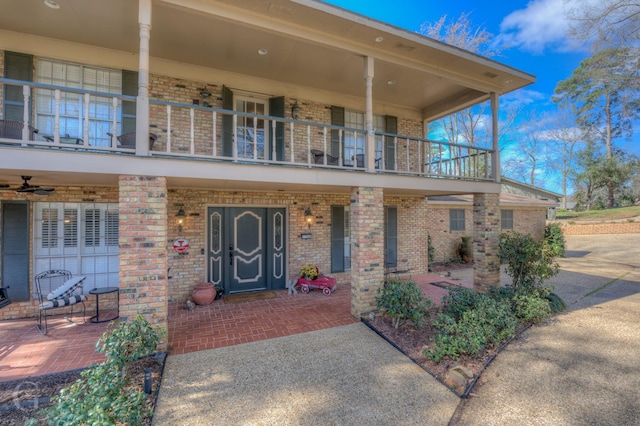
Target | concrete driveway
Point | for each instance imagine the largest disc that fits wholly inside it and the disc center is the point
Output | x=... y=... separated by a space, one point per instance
x=582 y=367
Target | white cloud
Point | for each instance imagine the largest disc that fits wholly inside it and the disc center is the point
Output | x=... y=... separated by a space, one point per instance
x=541 y=25
x=521 y=98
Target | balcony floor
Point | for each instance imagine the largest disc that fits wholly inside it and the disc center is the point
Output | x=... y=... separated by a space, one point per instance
x=27 y=353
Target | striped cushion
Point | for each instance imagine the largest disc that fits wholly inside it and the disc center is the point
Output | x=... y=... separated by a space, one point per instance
x=65 y=290
x=58 y=303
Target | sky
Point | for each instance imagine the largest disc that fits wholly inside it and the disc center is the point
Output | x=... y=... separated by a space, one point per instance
x=530 y=34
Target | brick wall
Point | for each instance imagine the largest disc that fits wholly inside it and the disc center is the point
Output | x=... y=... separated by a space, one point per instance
x=602 y=228
x=367 y=248
x=526 y=220
x=486 y=234
x=143 y=253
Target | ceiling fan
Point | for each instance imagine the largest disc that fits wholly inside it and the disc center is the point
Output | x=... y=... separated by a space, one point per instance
x=26 y=188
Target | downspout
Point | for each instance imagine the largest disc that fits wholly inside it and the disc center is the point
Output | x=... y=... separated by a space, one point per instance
x=142 y=102
x=370 y=138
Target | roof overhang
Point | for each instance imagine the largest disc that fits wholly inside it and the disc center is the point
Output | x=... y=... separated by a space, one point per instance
x=310 y=44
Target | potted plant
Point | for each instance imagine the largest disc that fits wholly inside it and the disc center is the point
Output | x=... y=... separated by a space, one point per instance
x=219 y=290
x=309 y=271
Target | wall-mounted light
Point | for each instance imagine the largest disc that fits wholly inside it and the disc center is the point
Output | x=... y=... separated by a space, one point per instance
x=309 y=218
x=205 y=94
x=180 y=215
x=295 y=110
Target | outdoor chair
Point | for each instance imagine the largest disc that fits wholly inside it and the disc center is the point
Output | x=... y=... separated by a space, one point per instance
x=318 y=158
x=5 y=300
x=57 y=289
x=128 y=140
x=11 y=129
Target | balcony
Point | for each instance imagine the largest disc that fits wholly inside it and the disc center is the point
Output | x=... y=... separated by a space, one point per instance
x=71 y=119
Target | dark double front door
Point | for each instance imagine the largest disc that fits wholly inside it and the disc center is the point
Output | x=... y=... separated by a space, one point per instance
x=246 y=248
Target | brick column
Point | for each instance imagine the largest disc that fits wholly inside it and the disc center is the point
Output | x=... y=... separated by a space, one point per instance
x=486 y=234
x=367 y=248
x=143 y=251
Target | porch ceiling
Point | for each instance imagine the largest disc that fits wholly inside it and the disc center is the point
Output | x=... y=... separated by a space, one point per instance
x=310 y=44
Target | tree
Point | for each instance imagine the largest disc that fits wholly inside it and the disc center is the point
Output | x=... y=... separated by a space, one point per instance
x=564 y=136
x=527 y=159
x=606 y=23
x=588 y=178
x=460 y=33
x=602 y=92
x=471 y=125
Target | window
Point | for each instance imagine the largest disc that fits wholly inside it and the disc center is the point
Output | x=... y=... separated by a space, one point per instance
x=250 y=132
x=72 y=108
x=354 y=142
x=79 y=237
x=391 y=237
x=456 y=219
x=506 y=219
x=340 y=239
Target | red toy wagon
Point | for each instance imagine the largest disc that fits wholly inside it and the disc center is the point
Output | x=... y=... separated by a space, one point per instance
x=326 y=284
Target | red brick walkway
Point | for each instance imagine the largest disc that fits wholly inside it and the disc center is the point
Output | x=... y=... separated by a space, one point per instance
x=24 y=352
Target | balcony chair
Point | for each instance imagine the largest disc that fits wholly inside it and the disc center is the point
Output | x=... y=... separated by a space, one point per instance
x=128 y=140
x=318 y=158
x=57 y=289
x=360 y=161
x=11 y=129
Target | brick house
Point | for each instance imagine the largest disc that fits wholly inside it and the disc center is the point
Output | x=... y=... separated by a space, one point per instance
x=450 y=219
x=265 y=135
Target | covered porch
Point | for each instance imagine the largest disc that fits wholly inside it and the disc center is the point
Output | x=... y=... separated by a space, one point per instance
x=27 y=353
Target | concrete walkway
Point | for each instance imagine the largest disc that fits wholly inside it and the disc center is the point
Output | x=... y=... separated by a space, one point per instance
x=338 y=376
x=581 y=368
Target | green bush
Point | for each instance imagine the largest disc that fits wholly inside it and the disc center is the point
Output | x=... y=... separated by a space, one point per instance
x=554 y=240
x=127 y=342
x=103 y=395
x=531 y=308
x=529 y=263
x=468 y=323
x=403 y=301
x=431 y=250
x=556 y=304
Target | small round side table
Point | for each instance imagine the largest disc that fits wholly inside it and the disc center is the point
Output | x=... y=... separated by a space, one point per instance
x=100 y=291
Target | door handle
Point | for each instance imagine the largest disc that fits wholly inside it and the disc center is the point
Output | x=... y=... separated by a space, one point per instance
x=230 y=254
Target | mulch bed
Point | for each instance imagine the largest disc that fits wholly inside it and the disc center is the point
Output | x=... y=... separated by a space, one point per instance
x=412 y=342
x=21 y=400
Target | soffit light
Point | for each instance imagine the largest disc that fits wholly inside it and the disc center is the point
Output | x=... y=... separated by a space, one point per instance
x=263 y=51
x=52 y=4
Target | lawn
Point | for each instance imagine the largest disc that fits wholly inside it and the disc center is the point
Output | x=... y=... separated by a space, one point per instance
x=619 y=213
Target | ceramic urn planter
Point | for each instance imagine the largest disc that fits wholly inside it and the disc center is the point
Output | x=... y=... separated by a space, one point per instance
x=203 y=293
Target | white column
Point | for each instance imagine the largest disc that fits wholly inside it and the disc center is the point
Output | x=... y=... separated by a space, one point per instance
x=371 y=140
x=142 y=104
x=495 y=160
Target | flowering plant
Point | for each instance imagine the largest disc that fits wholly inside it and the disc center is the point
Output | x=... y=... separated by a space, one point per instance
x=309 y=271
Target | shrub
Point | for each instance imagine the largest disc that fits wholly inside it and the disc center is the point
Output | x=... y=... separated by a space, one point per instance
x=431 y=250
x=556 y=304
x=530 y=308
x=528 y=263
x=127 y=342
x=103 y=395
x=470 y=322
x=403 y=301
x=554 y=240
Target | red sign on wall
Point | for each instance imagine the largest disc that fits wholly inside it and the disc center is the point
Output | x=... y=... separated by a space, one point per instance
x=181 y=245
